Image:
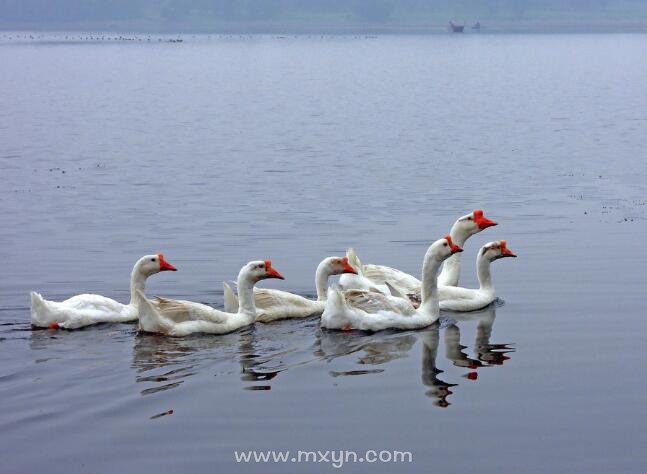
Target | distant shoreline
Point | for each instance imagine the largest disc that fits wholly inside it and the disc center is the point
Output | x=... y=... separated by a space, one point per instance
x=538 y=27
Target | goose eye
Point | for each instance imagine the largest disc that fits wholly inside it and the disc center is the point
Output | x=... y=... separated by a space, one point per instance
x=469 y=218
x=153 y=259
x=445 y=244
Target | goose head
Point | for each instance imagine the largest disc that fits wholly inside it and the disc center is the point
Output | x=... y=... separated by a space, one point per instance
x=261 y=270
x=338 y=265
x=471 y=224
x=496 y=250
x=151 y=264
x=444 y=248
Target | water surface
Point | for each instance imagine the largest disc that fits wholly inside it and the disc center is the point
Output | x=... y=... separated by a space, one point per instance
x=217 y=151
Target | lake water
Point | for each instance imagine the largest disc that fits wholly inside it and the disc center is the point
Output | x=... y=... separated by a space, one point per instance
x=220 y=150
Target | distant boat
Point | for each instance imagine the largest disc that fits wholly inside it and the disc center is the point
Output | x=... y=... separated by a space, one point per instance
x=476 y=26
x=456 y=28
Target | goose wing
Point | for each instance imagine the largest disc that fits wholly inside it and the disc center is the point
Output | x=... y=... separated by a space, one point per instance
x=373 y=302
x=265 y=298
x=382 y=273
x=93 y=303
x=180 y=311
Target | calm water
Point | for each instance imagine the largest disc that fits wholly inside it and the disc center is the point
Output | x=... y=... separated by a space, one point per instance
x=218 y=151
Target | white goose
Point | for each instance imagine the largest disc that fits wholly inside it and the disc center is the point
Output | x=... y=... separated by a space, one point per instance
x=465 y=227
x=360 y=281
x=456 y=298
x=180 y=318
x=272 y=305
x=86 y=309
x=371 y=311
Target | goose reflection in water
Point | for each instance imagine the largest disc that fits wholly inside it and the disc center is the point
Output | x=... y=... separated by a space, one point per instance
x=164 y=363
x=454 y=349
x=256 y=350
x=491 y=354
x=439 y=390
x=266 y=350
x=167 y=361
x=383 y=347
x=172 y=359
x=378 y=348
x=253 y=364
x=487 y=354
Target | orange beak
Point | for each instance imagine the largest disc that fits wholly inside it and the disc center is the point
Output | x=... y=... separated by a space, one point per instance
x=505 y=251
x=271 y=272
x=164 y=265
x=347 y=267
x=454 y=248
x=481 y=221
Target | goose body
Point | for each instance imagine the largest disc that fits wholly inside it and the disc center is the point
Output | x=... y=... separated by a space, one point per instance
x=181 y=318
x=370 y=311
x=455 y=298
x=79 y=311
x=360 y=280
x=465 y=299
x=374 y=311
x=272 y=305
x=88 y=309
x=463 y=229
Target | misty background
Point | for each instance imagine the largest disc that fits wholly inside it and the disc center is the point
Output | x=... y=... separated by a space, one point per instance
x=267 y=15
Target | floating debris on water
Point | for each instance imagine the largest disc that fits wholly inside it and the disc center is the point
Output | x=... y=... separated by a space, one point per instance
x=356 y=372
x=159 y=415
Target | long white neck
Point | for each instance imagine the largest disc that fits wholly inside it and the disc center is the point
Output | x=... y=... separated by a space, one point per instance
x=429 y=290
x=452 y=266
x=137 y=282
x=246 y=304
x=321 y=280
x=483 y=272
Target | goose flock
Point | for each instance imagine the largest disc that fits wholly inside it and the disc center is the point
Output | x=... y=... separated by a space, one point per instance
x=367 y=297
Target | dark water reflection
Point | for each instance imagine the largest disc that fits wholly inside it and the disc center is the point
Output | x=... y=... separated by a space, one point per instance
x=374 y=349
x=164 y=363
x=439 y=389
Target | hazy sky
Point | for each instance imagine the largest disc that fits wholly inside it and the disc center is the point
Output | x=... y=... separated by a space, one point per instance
x=204 y=13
